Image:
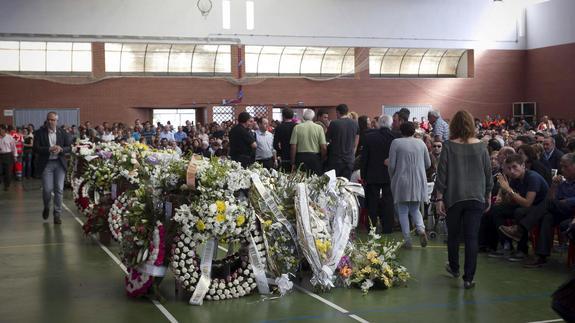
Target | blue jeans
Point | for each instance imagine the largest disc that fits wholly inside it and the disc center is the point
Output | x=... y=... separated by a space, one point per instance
x=53 y=182
x=404 y=209
x=27 y=163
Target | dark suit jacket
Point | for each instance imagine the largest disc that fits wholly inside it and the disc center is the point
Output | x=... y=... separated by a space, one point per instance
x=42 y=146
x=373 y=155
x=553 y=161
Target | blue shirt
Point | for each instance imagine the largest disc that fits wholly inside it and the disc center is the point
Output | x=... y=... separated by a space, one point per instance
x=136 y=135
x=180 y=135
x=531 y=182
x=441 y=128
x=566 y=192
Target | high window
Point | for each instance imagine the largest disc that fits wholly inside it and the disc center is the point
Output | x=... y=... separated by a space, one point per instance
x=172 y=59
x=45 y=57
x=417 y=62
x=300 y=61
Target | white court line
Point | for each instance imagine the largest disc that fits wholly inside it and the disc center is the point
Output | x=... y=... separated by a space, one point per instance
x=548 y=321
x=161 y=307
x=321 y=299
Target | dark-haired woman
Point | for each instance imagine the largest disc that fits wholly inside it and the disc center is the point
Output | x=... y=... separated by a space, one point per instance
x=408 y=160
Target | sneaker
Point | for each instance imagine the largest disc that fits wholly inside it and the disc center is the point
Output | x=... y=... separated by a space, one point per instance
x=45 y=214
x=453 y=273
x=517 y=257
x=468 y=284
x=57 y=219
x=514 y=232
x=423 y=239
x=497 y=254
x=535 y=263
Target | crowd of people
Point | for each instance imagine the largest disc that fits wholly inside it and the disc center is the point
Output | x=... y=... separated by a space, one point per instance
x=521 y=175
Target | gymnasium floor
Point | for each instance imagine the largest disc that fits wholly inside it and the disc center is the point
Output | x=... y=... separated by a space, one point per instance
x=55 y=274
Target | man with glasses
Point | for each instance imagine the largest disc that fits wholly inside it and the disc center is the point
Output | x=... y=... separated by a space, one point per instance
x=51 y=144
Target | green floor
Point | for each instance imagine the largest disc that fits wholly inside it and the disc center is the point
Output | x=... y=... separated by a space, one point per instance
x=55 y=274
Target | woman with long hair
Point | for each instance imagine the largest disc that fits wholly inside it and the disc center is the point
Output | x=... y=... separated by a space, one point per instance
x=463 y=192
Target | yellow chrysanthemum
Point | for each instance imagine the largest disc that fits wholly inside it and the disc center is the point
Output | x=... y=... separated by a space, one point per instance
x=200 y=225
x=240 y=220
x=322 y=247
x=366 y=270
x=372 y=254
x=267 y=223
x=221 y=206
x=220 y=217
x=375 y=261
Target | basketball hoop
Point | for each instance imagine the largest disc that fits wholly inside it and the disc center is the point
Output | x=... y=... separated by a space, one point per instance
x=205 y=6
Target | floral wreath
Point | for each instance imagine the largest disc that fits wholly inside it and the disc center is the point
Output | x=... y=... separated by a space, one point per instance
x=239 y=282
x=219 y=213
x=141 y=278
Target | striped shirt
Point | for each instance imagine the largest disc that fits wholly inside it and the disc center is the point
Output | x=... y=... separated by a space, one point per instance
x=441 y=129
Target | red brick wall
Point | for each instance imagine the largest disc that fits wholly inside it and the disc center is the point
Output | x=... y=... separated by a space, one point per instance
x=499 y=79
x=551 y=80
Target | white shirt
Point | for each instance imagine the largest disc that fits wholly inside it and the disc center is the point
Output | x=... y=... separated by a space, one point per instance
x=7 y=145
x=265 y=145
x=108 y=136
x=53 y=140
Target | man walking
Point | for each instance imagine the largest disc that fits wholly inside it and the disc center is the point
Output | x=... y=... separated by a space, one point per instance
x=51 y=144
x=8 y=155
x=343 y=137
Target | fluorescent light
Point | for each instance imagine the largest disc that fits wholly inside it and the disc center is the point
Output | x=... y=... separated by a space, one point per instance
x=226 y=14
x=250 y=15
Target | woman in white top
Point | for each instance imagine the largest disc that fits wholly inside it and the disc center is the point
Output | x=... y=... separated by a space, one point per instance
x=408 y=160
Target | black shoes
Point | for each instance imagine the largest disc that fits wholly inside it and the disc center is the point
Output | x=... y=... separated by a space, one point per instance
x=468 y=284
x=45 y=214
x=57 y=219
x=454 y=274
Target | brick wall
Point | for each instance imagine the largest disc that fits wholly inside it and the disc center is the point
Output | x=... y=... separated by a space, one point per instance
x=500 y=78
x=550 y=80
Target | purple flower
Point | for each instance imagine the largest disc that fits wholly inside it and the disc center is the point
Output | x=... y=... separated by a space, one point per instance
x=153 y=159
x=344 y=261
x=105 y=154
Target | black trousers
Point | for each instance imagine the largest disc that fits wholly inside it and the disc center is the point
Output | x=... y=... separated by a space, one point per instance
x=6 y=160
x=266 y=163
x=309 y=162
x=468 y=214
x=380 y=205
x=342 y=168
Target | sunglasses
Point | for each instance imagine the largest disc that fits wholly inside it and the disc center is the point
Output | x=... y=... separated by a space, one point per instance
x=437 y=146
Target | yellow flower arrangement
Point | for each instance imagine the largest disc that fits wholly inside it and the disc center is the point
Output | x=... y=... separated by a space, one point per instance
x=200 y=225
x=221 y=206
x=220 y=217
x=240 y=220
x=322 y=246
